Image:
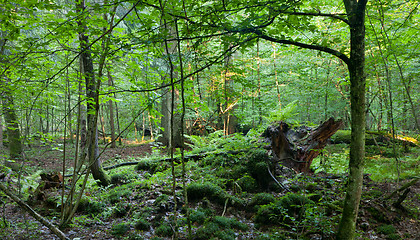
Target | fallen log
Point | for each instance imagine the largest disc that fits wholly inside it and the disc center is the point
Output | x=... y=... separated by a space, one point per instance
x=33 y=213
x=296 y=148
x=375 y=138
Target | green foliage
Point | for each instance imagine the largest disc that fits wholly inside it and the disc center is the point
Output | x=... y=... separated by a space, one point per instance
x=212 y=192
x=199 y=216
x=122 y=178
x=164 y=230
x=220 y=228
x=262 y=199
x=117 y=194
x=217 y=143
x=90 y=207
x=121 y=209
x=152 y=165
x=258 y=165
x=287 y=209
x=284 y=114
x=198 y=191
x=226 y=222
x=386 y=229
x=247 y=183
x=142 y=224
x=120 y=229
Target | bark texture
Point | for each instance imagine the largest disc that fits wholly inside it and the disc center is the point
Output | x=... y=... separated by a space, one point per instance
x=92 y=95
x=296 y=148
x=356 y=17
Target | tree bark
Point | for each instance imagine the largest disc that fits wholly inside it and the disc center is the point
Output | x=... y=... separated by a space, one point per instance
x=111 y=115
x=296 y=148
x=356 y=16
x=12 y=125
x=10 y=117
x=170 y=122
x=92 y=95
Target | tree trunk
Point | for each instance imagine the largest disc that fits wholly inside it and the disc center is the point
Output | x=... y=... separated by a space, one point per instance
x=111 y=115
x=10 y=117
x=170 y=98
x=1 y=132
x=92 y=95
x=12 y=125
x=356 y=16
x=296 y=148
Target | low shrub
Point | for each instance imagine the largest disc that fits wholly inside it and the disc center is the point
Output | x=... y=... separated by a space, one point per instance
x=261 y=199
x=287 y=209
x=247 y=183
x=142 y=224
x=164 y=230
x=90 y=207
x=257 y=167
x=198 y=191
x=120 y=229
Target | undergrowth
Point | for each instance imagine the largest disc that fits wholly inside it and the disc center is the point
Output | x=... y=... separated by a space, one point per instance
x=231 y=194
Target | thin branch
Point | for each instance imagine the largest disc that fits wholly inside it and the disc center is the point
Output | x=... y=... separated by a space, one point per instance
x=331 y=51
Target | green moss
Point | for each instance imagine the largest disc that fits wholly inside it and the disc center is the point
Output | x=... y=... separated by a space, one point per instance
x=134 y=236
x=142 y=224
x=198 y=191
x=207 y=231
x=257 y=167
x=164 y=230
x=386 y=229
x=247 y=184
x=122 y=178
x=198 y=216
x=121 y=209
x=90 y=207
x=116 y=194
x=226 y=234
x=287 y=209
x=377 y=215
x=261 y=199
x=120 y=229
x=227 y=223
x=393 y=236
x=152 y=166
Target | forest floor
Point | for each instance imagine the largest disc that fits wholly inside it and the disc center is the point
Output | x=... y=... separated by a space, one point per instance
x=129 y=201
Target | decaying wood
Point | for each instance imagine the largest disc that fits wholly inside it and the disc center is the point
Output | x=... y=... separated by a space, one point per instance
x=375 y=138
x=296 y=148
x=32 y=212
x=405 y=189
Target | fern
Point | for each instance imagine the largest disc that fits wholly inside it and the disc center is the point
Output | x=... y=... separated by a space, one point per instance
x=284 y=114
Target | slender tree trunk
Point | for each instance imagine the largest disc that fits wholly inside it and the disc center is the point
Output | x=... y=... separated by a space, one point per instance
x=92 y=95
x=356 y=16
x=169 y=101
x=12 y=125
x=111 y=115
x=1 y=132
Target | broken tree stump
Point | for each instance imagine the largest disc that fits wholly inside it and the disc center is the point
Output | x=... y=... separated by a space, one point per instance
x=296 y=148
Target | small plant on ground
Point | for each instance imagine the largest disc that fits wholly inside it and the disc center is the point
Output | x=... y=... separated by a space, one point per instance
x=164 y=230
x=142 y=224
x=120 y=229
x=286 y=210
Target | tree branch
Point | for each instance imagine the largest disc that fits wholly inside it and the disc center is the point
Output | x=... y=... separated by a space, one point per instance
x=336 y=53
x=34 y=214
x=319 y=14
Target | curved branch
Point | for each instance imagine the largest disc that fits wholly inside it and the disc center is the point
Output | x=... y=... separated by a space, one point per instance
x=319 y=14
x=336 y=53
